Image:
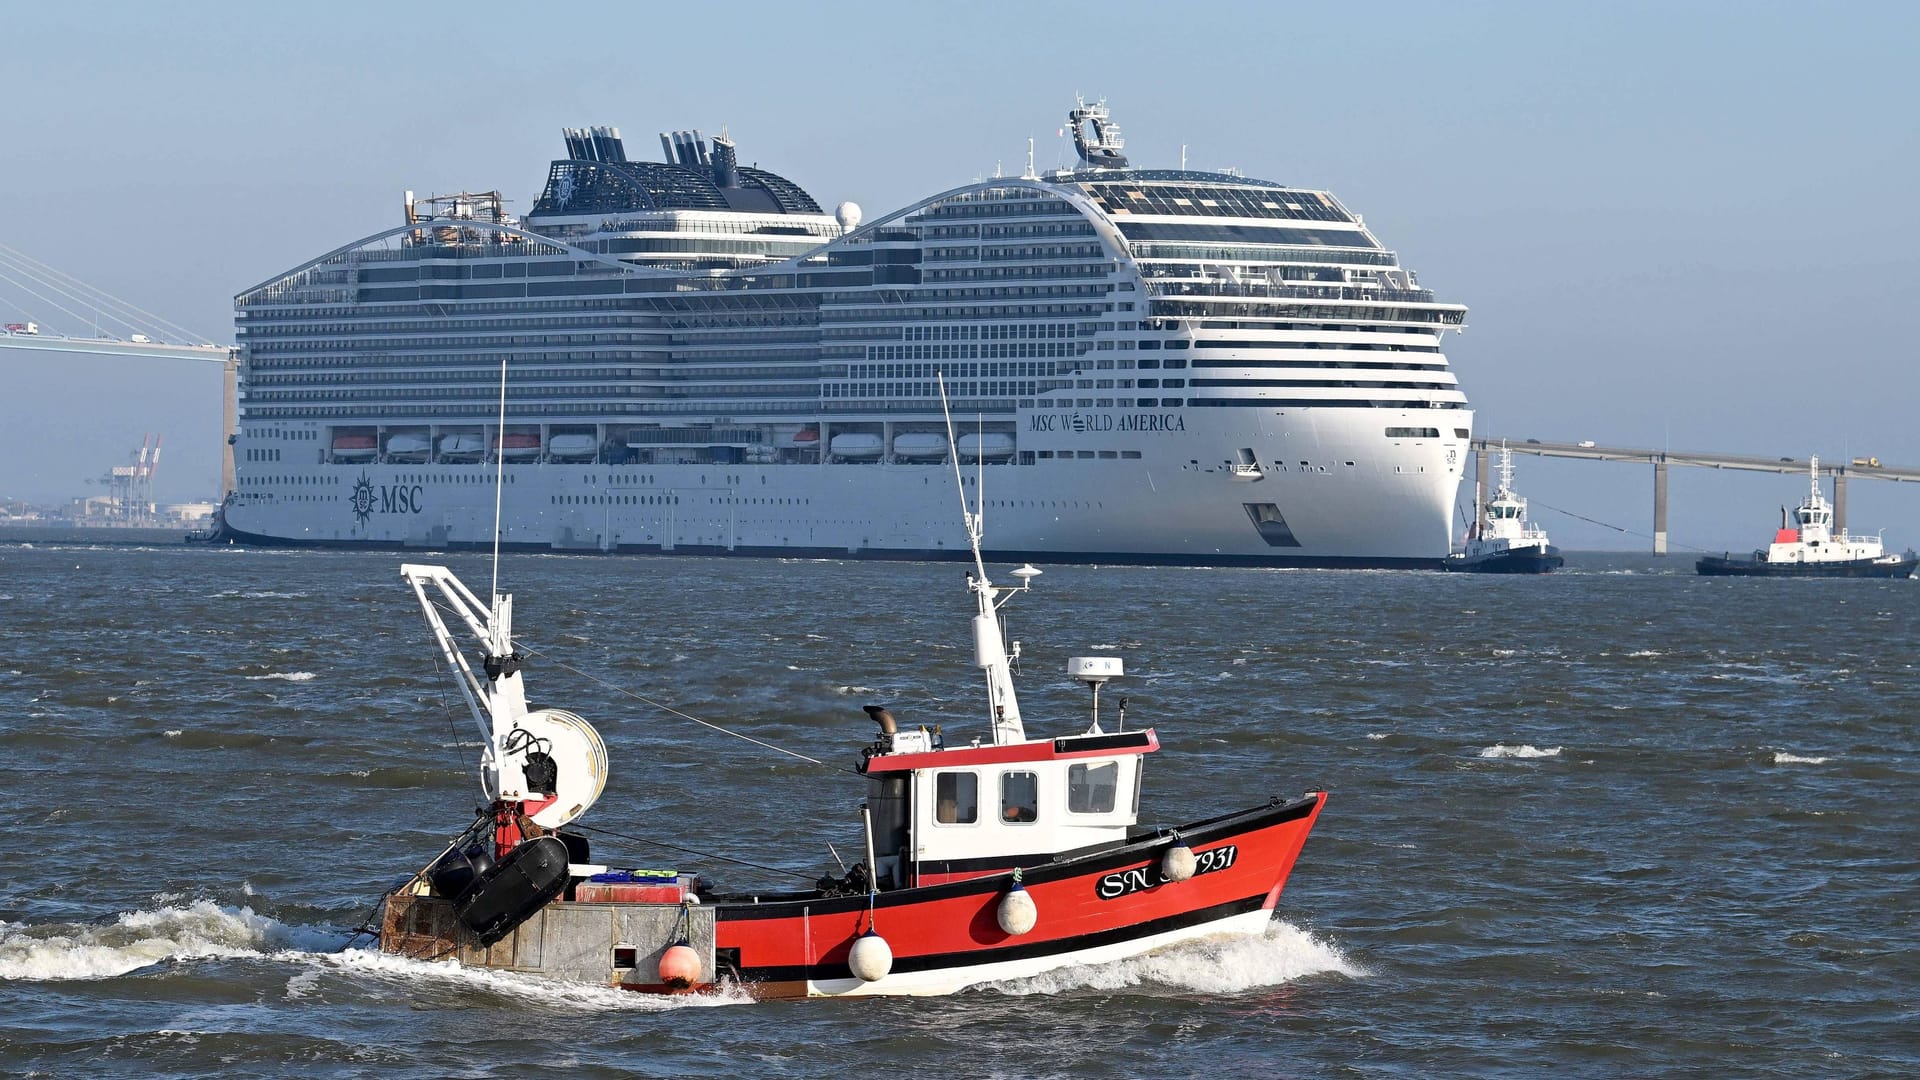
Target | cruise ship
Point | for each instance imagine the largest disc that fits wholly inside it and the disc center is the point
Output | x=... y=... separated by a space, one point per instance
x=1144 y=366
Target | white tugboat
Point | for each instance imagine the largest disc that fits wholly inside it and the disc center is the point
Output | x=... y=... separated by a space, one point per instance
x=1501 y=539
x=1808 y=547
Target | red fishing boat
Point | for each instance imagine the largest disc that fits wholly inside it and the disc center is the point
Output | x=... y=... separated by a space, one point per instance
x=1002 y=857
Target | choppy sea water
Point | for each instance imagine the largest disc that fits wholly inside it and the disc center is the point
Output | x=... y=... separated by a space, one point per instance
x=1615 y=821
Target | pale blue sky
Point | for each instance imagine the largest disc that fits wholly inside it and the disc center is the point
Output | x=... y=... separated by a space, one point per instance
x=1682 y=224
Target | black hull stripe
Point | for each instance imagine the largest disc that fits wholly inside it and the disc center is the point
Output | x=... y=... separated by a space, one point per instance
x=1033 y=950
x=1102 y=558
x=1036 y=872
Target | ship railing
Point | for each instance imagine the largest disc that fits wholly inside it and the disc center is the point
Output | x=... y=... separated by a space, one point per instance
x=1289 y=292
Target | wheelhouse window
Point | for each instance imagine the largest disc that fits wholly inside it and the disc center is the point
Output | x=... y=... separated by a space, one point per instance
x=1090 y=788
x=956 y=798
x=1019 y=797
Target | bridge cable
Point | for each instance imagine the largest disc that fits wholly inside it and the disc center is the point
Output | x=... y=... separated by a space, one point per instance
x=93 y=296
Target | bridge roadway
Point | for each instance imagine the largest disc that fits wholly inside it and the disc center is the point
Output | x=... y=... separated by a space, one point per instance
x=1662 y=459
x=219 y=354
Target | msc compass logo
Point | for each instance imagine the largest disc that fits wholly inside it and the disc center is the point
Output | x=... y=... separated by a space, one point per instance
x=369 y=499
x=363 y=499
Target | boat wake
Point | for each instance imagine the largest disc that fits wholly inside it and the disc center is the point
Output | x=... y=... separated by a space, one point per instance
x=65 y=951
x=511 y=986
x=284 y=676
x=1284 y=954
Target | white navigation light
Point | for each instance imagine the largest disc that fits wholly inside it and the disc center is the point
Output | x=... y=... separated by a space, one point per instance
x=1094 y=670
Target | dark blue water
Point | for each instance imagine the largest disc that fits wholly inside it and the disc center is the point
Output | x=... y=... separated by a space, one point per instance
x=1616 y=821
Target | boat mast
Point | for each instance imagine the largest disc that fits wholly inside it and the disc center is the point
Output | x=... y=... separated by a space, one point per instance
x=989 y=649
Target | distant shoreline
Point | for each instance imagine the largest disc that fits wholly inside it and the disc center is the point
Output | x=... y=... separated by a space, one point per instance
x=73 y=534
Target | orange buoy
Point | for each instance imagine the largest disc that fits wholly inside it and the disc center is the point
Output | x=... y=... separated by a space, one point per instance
x=680 y=966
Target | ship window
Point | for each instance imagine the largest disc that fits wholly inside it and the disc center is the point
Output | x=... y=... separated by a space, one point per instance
x=1090 y=788
x=956 y=798
x=1019 y=797
x=625 y=958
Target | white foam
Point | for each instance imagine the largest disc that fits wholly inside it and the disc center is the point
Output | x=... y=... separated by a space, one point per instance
x=141 y=938
x=1781 y=757
x=284 y=676
x=854 y=690
x=1646 y=652
x=1525 y=750
x=1230 y=965
x=523 y=988
x=174 y=733
x=1376 y=736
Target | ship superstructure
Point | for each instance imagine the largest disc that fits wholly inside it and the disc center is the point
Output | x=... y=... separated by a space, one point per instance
x=1149 y=366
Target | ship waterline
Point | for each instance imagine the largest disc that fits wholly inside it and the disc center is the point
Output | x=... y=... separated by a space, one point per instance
x=1145 y=366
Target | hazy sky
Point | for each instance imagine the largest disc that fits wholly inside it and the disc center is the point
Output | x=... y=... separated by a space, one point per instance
x=1678 y=224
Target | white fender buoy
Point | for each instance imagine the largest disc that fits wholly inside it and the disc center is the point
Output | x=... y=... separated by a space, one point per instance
x=680 y=967
x=1017 y=912
x=871 y=957
x=1177 y=864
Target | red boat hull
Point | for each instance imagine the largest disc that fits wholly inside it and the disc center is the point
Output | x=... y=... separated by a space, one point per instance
x=1097 y=906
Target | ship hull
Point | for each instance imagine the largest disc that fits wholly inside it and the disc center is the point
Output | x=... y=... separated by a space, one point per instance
x=1374 y=504
x=1720 y=566
x=1523 y=561
x=1093 y=908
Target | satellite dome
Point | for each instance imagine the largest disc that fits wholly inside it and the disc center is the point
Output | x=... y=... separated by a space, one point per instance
x=849 y=215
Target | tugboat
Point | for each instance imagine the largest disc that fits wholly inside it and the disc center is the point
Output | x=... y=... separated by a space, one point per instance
x=1000 y=857
x=1501 y=540
x=1808 y=548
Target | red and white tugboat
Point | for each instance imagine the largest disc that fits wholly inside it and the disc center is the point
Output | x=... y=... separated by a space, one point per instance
x=999 y=858
x=1810 y=548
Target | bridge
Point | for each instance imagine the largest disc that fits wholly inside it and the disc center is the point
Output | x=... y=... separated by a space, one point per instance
x=46 y=298
x=1661 y=460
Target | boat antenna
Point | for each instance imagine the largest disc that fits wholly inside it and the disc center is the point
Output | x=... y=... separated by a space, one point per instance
x=499 y=475
x=967 y=516
x=989 y=643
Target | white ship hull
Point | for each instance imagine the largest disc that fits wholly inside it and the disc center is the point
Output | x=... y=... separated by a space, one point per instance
x=1358 y=500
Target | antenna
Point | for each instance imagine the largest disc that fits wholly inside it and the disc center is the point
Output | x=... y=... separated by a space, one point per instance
x=959 y=483
x=499 y=475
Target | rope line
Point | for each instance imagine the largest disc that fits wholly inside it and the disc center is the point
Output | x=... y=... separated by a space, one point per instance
x=1608 y=525
x=663 y=707
x=691 y=851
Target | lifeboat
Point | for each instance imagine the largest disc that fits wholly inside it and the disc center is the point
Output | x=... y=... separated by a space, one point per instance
x=408 y=446
x=353 y=447
x=920 y=444
x=992 y=446
x=856 y=445
x=518 y=444
x=572 y=447
x=805 y=438
x=462 y=446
